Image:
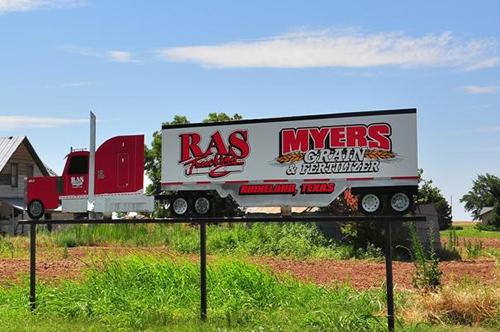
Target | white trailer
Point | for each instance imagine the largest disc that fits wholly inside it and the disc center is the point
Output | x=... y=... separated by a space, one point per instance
x=293 y=161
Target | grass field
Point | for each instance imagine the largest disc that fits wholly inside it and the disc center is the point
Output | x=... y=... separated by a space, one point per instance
x=150 y=292
x=470 y=230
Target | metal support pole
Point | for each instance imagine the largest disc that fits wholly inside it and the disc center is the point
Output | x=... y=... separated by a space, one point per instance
x=388 y=276
x=32 y=265
x=203 y=270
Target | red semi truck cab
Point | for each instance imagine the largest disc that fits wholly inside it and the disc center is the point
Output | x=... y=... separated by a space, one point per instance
x=119 y=170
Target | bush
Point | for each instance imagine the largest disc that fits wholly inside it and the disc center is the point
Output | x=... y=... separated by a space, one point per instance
x=473 y=249
x=427 y=275
x=455 y=228
x=296 y=240
x=482 y=227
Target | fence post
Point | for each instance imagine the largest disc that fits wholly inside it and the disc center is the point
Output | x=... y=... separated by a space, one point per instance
x=203 y=270
x=388 y=276
x=33 y=265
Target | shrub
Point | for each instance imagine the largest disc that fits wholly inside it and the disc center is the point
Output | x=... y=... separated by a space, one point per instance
x=427 y=275
x=473 y=249
x=482 y=227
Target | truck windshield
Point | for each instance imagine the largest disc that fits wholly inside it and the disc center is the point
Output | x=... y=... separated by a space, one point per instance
x=78 y=165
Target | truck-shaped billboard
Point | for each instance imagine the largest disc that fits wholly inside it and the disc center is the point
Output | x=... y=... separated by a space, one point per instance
x=293 y=161
x=109 y=179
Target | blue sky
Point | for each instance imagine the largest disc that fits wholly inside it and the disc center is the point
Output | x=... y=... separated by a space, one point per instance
x=136 y=64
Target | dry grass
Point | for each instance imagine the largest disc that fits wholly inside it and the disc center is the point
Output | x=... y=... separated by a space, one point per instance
x=466 y=303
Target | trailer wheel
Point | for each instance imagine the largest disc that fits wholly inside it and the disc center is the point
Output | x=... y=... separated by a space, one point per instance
x=401 y=203
x=179 y=206
x=202 y=205
x=370 y=203
x=35 y=209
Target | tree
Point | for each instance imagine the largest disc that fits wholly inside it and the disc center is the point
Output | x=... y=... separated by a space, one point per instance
x=429 y=194
x=485 y=192
x=152 y=154
x=152 y=157
x=221 y=117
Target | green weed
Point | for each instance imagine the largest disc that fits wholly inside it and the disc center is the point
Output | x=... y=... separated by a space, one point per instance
x=141 y=293
x=287 y=240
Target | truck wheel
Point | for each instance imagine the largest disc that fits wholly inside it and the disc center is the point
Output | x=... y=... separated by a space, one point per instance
x=401 y=203
x=179 y=206
x=202 y=205
x=370 y=203
x=35 y=209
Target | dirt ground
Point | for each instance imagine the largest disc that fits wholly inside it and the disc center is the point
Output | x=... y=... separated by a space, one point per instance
x=363 y=274
x=51 y=266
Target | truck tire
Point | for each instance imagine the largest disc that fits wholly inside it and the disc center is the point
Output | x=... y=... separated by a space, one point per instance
x=35 y=209
x=400 y=203
x=179 y=206
x=202 y=205
x=370 y=203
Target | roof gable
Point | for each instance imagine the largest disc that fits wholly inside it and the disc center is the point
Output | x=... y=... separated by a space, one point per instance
x=9 y=145
x=485 y=210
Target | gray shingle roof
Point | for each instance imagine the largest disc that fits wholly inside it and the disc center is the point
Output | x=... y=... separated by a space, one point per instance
x=8 y=145
x=485 y=210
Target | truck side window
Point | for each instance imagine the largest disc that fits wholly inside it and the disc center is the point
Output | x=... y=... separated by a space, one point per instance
x=78 y=165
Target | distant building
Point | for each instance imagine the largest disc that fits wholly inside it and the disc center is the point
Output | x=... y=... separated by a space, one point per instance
x=486 y=215
x=18 y=160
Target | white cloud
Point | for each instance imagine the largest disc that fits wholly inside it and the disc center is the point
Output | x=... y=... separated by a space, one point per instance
x=342 y=48
x=76 y=84
x=12 y=122
x=112 y=55
x=487 y=63
x=7 y=6
x=120 y=56
x=80 y=50
x=481 y=89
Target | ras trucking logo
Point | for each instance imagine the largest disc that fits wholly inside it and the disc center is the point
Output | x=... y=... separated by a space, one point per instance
x=218 y=158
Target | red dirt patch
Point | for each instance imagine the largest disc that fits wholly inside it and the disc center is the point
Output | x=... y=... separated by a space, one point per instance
x=363 y=275
x=12 y=269
x=359 y=274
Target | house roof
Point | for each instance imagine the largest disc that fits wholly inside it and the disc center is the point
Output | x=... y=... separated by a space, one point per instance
x=16 y=203
x=9 y=145
x=485 y=210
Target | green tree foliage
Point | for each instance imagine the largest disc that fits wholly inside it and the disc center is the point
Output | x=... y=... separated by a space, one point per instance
x=152 y=157
x=221 y=117
x=485 y=192
x=429 y=194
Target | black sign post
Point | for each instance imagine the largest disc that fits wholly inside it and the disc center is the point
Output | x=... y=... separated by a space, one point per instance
x=202 y=221
x=388 y=276
x=33 y=265
x=203 y=271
